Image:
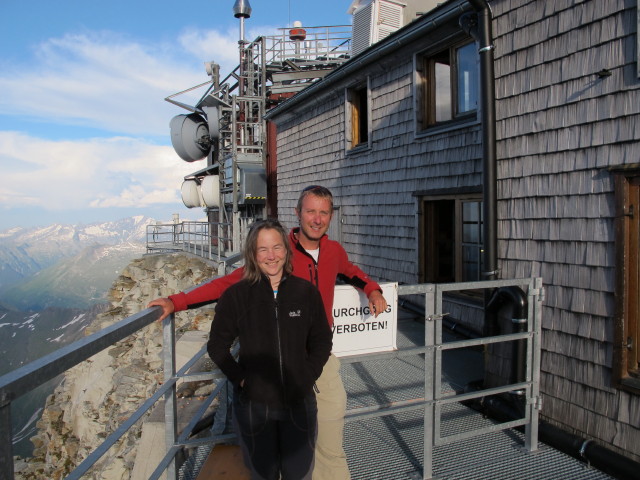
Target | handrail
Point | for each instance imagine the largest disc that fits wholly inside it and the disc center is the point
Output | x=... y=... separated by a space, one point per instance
x=194 y=237
x=22 y=380
x=434 y=346
x=197 y=237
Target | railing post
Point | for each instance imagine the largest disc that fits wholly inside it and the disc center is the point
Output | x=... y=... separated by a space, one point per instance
x=170 y=408
x=533 y=361
x=429 y=364
x=6 y=446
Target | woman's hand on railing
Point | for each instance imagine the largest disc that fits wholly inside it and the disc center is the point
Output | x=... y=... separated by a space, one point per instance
x=166 y=304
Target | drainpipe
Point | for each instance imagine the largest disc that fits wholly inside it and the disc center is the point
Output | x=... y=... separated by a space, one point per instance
x=479 y=27
x=517 y=299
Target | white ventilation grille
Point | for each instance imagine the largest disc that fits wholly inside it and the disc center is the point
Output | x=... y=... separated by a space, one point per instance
x=362 y=29
x=389 y=19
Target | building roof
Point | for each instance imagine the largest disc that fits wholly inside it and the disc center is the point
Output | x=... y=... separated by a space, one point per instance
x=439 y=17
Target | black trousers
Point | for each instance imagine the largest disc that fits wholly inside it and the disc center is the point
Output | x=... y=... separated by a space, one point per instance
x=276 y=442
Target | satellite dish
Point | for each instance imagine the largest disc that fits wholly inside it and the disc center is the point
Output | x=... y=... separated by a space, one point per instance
x=190 y=137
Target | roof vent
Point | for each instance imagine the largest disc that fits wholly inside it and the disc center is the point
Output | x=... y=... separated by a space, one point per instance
x=374 y=20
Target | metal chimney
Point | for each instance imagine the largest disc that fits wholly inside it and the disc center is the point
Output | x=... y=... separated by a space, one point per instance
x=242 y=10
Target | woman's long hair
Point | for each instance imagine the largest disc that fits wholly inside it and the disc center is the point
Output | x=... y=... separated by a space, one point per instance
x=252 y=271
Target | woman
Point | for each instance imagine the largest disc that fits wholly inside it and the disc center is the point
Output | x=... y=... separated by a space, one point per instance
x=285 y=341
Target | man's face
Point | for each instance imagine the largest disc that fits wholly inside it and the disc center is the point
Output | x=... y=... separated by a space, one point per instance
x=315 y=217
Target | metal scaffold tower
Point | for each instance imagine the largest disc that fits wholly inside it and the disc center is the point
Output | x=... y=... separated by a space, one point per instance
x=227 y=127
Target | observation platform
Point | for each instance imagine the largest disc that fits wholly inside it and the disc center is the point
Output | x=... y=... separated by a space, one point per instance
x=391 y=447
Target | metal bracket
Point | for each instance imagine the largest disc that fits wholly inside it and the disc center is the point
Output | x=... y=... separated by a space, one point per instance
x=488 y=48
x=538 y=292
x=439 y=316
x=537 y=403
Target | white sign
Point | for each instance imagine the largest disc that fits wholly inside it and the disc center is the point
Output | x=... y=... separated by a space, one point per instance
x=355 y=329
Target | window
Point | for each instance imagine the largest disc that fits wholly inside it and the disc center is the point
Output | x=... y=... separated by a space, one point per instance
x=357 y=117
x=627 y=341
x=452 y=245
x=449 y=85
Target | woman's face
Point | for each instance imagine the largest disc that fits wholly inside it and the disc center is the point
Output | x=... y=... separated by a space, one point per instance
x=271 y=253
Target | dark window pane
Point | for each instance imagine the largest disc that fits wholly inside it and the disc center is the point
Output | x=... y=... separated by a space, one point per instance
x=470 y=263
x=470 y=211
x=471 y=233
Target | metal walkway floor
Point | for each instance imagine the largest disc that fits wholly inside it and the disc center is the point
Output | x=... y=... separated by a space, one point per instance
x=391 y=447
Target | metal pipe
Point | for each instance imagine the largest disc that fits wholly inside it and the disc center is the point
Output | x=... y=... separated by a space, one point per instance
x=489 y=155
x=516 y=298
x=6 y=443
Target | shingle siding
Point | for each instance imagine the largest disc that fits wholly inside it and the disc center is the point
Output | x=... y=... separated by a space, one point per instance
x=560 y=127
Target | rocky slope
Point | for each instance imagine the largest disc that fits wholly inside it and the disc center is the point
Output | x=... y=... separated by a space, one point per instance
x=96 y=396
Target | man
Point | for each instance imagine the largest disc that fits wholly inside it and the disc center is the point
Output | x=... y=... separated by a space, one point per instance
x=320 y=260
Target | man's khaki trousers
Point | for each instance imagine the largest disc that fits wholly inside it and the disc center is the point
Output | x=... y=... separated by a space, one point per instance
x=330 y=459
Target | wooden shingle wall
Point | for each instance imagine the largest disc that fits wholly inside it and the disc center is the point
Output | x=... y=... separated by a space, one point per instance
x=375 y=187
x=560 y=126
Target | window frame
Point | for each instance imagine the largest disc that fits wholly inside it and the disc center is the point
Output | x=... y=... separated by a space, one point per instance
x=425 y=92
x=355 y=124
x=626 y=351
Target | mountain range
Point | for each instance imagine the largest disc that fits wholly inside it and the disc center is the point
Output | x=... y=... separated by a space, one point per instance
x=67 y=266
x=53 y=282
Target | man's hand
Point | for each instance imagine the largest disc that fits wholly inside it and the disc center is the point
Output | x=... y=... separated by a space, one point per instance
x=377 y=303
x=166 y=304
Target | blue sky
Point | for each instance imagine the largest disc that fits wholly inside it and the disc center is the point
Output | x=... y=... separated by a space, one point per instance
x=84 y=128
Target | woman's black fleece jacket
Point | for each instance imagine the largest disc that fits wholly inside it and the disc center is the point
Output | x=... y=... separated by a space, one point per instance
x=284 y=342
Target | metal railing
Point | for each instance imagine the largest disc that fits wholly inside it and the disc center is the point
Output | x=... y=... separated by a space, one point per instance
x=211 y=241
x=435 y=399
x=22 y=380
x=194 y=237
x=25 y=379
x=320 y=44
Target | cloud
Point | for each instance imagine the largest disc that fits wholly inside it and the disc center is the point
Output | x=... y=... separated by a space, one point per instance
x=113 y=86
x=220 y=47
x=99 y=173
x=107 y=81
x=212 y=45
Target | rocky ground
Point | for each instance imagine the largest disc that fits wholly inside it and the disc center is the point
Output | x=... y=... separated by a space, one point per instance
x=97 y=395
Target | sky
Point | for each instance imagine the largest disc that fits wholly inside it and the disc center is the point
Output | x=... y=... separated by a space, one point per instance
x=84 y=127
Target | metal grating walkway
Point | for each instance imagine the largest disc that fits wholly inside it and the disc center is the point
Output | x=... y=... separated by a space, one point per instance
x=391 y=447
